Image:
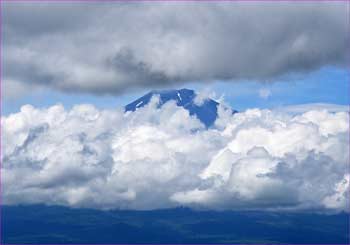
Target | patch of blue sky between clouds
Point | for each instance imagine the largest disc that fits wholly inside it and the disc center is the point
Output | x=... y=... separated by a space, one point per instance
x=328 y=85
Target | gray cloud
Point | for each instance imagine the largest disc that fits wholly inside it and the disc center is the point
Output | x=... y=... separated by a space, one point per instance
x=112 y=47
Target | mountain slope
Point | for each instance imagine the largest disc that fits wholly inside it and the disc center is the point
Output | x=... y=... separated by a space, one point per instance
x=206 y=111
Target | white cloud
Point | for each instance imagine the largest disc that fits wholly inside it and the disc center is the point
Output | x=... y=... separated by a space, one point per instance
x=163 y=157
x=312 y=107
x=265 y=93
x=204 y=95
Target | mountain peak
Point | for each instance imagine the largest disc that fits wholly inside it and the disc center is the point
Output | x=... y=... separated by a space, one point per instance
x=206 y=111
x=180 y=95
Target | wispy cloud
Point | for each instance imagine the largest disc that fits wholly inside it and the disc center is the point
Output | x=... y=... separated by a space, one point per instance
x=265 y=93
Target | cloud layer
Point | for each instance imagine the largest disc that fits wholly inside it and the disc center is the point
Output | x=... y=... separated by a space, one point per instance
x=159 y=158
x=111 y=47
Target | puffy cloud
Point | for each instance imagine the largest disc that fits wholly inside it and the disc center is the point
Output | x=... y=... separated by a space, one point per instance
x=111 y=47
x=163 y=157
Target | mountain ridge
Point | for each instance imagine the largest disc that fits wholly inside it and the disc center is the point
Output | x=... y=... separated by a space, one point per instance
x=206 y=111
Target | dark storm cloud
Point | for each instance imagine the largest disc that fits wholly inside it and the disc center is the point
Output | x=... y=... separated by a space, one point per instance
x=111 y=47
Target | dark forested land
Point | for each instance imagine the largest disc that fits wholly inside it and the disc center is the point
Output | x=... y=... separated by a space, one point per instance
x=53 y=224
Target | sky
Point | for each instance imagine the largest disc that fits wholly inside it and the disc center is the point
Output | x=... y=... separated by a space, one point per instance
x=328 y=85
x=68 y=68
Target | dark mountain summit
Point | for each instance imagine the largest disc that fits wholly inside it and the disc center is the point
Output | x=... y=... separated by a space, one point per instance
x=206 y=111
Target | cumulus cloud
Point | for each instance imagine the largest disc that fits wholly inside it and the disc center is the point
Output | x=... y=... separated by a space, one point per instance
x=163 y=157
x=205 y=94
x=111 y=47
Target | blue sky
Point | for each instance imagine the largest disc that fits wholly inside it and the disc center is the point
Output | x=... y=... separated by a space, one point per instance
x=327 y=85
